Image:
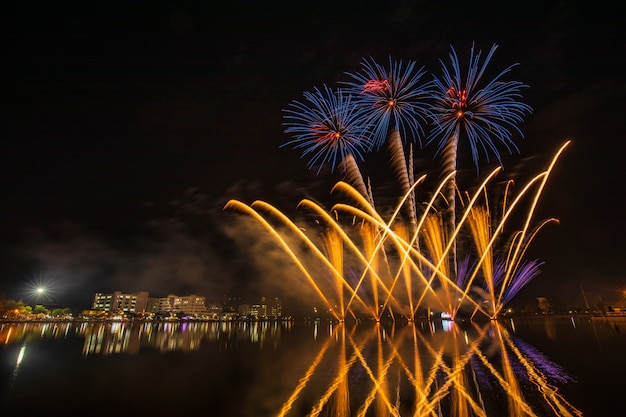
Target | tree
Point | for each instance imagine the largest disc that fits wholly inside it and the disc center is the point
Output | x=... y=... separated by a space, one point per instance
x=40 y=309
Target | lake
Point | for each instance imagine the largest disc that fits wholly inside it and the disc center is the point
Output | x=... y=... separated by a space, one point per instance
x=541 y=366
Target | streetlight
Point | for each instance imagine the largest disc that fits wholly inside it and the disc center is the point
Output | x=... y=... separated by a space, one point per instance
x=40 y=293
x=42 y=290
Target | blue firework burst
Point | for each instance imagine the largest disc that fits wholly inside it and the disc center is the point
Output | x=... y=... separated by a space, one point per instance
x=392 y=98
x=483 y=113
x=327 y=127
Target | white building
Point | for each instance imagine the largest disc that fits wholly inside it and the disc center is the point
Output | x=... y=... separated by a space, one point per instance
x=117 y=301
x=192 y=305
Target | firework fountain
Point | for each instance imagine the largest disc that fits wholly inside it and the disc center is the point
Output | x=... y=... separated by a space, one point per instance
x=369 y=261
x=420 y=257
x=460 y=256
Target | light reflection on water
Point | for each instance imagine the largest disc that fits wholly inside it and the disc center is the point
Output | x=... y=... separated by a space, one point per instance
x=105 y=338
x=426 y=368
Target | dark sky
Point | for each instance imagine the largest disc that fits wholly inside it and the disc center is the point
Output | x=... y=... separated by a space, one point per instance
x=125 y=131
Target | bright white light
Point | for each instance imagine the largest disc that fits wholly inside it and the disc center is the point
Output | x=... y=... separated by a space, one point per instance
x=20 y=356
x=447 y=325
x=41 y=288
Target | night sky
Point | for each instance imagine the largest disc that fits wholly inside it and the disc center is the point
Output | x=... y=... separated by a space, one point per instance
x=126 y=130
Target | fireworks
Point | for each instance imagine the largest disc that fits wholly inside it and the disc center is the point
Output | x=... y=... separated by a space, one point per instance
x=404 y=264
x=365 y=265
x=467 y=106
x=392 y=98
x=328 y=128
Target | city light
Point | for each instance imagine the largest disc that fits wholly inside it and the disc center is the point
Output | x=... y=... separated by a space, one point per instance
x=20 y=356
x=42 y=288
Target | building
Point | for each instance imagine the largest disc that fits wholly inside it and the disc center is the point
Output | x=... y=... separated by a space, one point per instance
x=253 y=311
x=272 y=308
x=159 y=305
x=215 y=308
x=192 y=305
x=268 y=308
x=117 y=301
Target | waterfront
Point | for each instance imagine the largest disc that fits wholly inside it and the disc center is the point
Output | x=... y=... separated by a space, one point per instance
x=553 y=366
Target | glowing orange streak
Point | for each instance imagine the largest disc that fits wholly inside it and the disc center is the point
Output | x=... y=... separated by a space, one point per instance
x=537 y=378
x=495 y=235
x=405 y=269
x=318 y=210
x=505 y=199
x=403 y=265
x=368 y=238
x=453 y=238
x=397 y=355
x=499 y=304
x=310 y=244
x=503 y=383
x=356 y=250
x=438 y=395
x=372 y=216
x=305 y=379
x=549 y=391
x=334 y=250
x=479 y=222
x=350 y=191
x=341 y=404
x=378 y=391
x=374 y=253
x=434 y=241
x=380 y=388
x=390 y=298
x=423 y=218
x=234 y=204
x=319 y=406
x=465 y=215
x=546 y=174
x=527 y=244
x=514 y=390
x=462 y=402
x=460 y=397
x=415 y=377
x=441 y=392
x=376 y=381
x=359 y=213
x=455 y=375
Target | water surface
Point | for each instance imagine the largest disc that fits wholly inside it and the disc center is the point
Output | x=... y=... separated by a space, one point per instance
x=544 y=366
